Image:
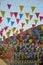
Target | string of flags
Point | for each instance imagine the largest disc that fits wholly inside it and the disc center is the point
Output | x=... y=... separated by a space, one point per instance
x=28 y=18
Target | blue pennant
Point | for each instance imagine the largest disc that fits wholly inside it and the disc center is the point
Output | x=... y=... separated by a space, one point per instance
x=8 y=19
x=20 y=15
x=12 y=22
x=0 y=39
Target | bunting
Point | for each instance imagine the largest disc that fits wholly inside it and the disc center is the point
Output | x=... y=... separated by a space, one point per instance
x=9 y=6
x=3 y=13
x=15 y=14
x=27 y=21
x=17 y=20
x=8 y=19
x=23 y=24
x=12 y=22
x=21 y=7
x=0 y=19
x=27 y=14
x=33 y=8
x=41 y=17
x=20 y=15
x=30 y=16
x=37 y=14
x=36 y=21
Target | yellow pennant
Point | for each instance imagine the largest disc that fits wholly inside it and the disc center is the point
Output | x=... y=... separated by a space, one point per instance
x=3 y=13
x=21 y=7
x=41 y=27
x=27 y=14
x=35 y=21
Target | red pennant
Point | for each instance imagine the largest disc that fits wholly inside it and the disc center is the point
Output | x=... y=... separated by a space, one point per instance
x=41 y=17
x=1 y=33
x=6 y=28
x=0 y=19
x=11 y=13
x=23 y=24
x=21 y=31
x=33 y=25
x=17 y=20
x=31 y=16
x=15 y=14
x=9 y=6
x=37 y=14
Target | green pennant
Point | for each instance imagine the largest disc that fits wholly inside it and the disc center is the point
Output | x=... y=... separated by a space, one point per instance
x=33 y=8
x=27 y=21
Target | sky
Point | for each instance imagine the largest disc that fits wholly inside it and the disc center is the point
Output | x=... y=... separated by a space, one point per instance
x=15 y=8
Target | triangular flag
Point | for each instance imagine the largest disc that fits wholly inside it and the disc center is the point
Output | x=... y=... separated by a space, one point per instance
x=11 y=14
x=30 y=16
x=27 y=14
x=33 y=8
x=23 y=24
x=33 y=25
x=9 y=6
x=36 y=21
x=6 y=28
x=3 y=13
x=12 y=22
x=17 y=20
x=0 y=19
x=37 y=14
x=41 y=17
x=21 y=7
x=41 y=27
x=27 y=20
x=20 y=15
x=16 y=32
x=8 y=19
x=21 y=30
x=8 y=33
x=13 y=29
x=0 y=39
x=1 y=33
x=15 y=14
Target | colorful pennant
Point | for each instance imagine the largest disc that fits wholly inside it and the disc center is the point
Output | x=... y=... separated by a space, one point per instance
x=21 y=7
x=27 y=21
x=23 y=24
x=15 y=14
x=9 y=6
x=20 y=15
x=3 y=13
x=33 y=8
x=12 y=22
x=0 y=19
x=17 y=20
x=37 y=14
x=27 y=14
x=8 y=19
x=30 y=16
x=36 y=21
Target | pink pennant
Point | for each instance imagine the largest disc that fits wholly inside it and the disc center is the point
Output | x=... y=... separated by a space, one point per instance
x=15 y=14
x=17 y=20
x=11 y=13
x=41 y=17
x=37 y=14
x=9 y=6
